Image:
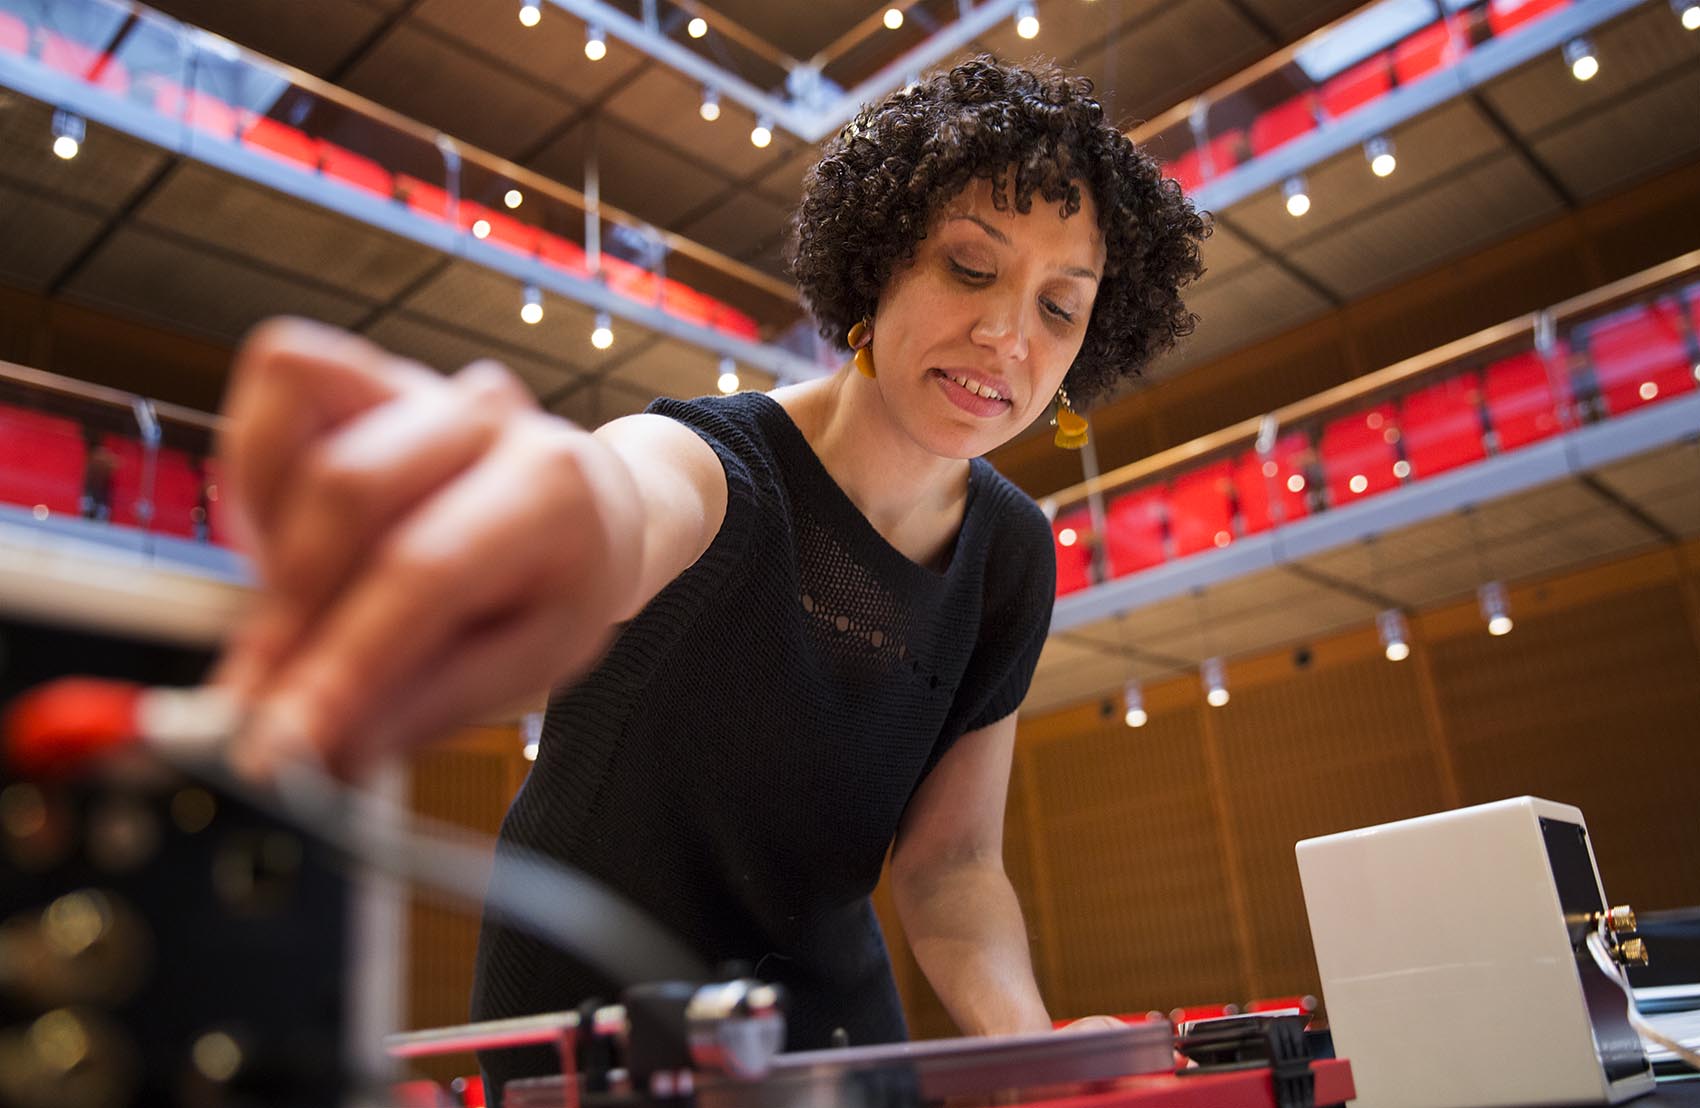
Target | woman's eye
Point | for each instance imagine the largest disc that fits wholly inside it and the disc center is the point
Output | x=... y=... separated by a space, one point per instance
x=1058 y=311
x=968 y=274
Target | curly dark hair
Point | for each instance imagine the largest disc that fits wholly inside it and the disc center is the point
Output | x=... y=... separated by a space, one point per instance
x=869 y=201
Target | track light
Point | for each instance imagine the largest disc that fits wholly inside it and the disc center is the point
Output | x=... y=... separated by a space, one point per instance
x=1395 y=635
x=1495 y=608
x=68 y=133
x=1027 y=21
x=1215 y=682
x=710 y=110
x=893 y=18
x=603 y=337
x=1068 y=536
x=481 y=228
x=1379 y=151
x=1298 y=196
x=530 y=734
x=1579 y=56
x=1688 y=11
x=762 y=134
x=728 y=376
x=697 y=27
x=530 y=14
x=513 y=198
x=1133 y=698
x=595 y=43
x=532 y=310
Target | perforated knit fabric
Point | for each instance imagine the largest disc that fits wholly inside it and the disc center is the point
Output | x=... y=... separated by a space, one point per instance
x=738 y=763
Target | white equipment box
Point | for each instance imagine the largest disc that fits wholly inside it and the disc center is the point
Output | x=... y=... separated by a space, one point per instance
x=1454 y=963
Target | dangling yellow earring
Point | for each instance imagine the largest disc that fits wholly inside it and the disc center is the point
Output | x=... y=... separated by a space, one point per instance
x=1070 y=424
x=863 y=344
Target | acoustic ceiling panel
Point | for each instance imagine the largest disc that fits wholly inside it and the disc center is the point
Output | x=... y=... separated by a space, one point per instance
x=447 y=351
x=486 y=304
x=549 y=55
x=1642 y=47
x=1257 y=301
x=663 y=105
x=227 y=213
x=653 y=182
x=745 y=224
x=1479 y=204
x=42 y=237
x=668 y=368
x=1665 y=484
x=1430 y=149
x=138 y=272
x=110 y=169
x=479 y=101
x=317 y=35
x=1633 y=138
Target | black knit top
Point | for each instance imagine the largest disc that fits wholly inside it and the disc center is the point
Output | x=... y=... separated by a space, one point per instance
x=738 y=763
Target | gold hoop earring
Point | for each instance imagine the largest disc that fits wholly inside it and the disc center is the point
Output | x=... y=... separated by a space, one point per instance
x=862 y=342
x=1070 y=424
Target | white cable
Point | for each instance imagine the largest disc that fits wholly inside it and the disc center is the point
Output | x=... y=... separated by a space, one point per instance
x=1602 y=958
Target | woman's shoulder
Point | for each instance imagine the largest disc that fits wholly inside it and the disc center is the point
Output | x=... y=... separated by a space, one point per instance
x=1015 y=518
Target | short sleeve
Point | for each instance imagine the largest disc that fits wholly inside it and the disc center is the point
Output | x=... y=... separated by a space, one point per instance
x=1021 y=590
x=726 y=427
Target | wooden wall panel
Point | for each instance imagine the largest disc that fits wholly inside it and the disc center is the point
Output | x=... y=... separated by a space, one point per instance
x=468 y=783
x=1318 y=751
x=1596 y=705
x=1136 y=869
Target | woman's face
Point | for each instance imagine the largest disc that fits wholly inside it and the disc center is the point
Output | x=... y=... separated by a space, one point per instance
x=972 y=340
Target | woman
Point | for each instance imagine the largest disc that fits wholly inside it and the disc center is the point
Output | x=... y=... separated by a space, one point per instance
x=816 y=610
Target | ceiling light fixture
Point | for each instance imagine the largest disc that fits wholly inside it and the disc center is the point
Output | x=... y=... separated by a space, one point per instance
x=1688 y=11
x=697 y=27
x=1133 y=699
x=1298 y=197
x=1579 y=56
x=603 y=336
x=710 y=110
x=893 y=18
x=1027 y=21
x=1395 y=635
x=595 y=43
x=532 y=310
x=530 y=14
x=728 y=376
x=1496 y=609
x=513 y=198
x=69 y=130
x=1215 y=679
x=1379 y=151
x=762 y=134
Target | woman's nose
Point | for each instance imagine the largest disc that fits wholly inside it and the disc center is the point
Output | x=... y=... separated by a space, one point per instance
x=1000 y=328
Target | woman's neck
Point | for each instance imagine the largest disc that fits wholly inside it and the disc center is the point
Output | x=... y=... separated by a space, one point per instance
x=903 y=489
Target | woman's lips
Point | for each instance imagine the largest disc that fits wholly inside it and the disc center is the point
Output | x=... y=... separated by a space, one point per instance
x=974 y=404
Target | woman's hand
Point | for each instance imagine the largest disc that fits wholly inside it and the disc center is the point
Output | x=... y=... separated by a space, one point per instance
x=428 y=548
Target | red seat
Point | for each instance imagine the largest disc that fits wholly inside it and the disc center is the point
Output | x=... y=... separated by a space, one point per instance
x=729 y=320
x=1283 y=123
x=470 y=1090
x=630 y=280
x=176 y=503
x=1507 y=15
x=1442 y=425
x=1365 y=82
x=14 y=35
x=423 y=197
x=1074 y=557
x=1305 y=1004
x=1522 y=405
x=1273 y=490
x=563 y=254
x=84 y=63
x=1641 y=356
x=514 y=234
x=1359 y=452
x=1201 y=509
x=1202 y=1012
x=1187 y=170
x=198 y=109
x=1133 y=531
x=355 y=169
x=42 y=459
x=1225 y=151
x=686 y=303
x=1433 y=48
x=280 y=140
x=422 y=1093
